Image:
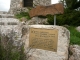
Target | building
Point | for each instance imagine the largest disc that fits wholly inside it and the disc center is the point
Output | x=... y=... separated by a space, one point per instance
x=23 y=5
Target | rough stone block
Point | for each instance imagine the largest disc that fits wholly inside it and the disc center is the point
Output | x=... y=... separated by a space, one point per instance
x=40 y=54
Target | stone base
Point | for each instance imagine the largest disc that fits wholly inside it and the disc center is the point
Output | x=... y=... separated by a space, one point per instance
x=40 y=54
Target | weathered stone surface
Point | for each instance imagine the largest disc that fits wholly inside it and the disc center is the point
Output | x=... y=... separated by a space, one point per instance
x=17 y=5
x=71 y=58
x=36 y=20
x=13 y=32
x=78 y=28
x=74 y=52
x=19 y=34
x=11 y=42
x=9 y=21
x=6 y=15
x=45 y=10
x=40 y=54
x=23 y=19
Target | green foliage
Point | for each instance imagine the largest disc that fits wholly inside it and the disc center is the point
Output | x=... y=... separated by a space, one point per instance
x=74 y=36
x=78 y=4
x=50 y=19
x=70 y=17
x=23 y=14
x=72 y=4
x=11 y=52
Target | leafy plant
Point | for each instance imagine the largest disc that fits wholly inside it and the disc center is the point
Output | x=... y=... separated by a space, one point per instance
x=74 y=36
x=23 y=14
x=70 y=17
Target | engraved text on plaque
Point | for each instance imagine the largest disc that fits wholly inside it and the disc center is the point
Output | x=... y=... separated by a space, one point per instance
x=42 y=38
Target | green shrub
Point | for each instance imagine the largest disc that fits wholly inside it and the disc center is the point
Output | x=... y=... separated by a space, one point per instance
x=23 y=14
x=70 y=17
x=50 y=19
x=74 y=36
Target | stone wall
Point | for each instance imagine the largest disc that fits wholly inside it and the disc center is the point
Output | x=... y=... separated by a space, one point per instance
x=17 y=5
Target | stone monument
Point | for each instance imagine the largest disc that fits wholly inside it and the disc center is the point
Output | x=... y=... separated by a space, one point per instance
x=47 y=42
x=41 y=42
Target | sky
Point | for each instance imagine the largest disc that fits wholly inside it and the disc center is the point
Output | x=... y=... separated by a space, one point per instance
x=5 y=4
x=54 y=1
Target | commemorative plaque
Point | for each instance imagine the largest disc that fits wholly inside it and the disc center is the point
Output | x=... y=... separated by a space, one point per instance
x=41 y=38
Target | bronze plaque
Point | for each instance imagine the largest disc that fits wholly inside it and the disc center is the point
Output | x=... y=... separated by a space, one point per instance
x=42 y=38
